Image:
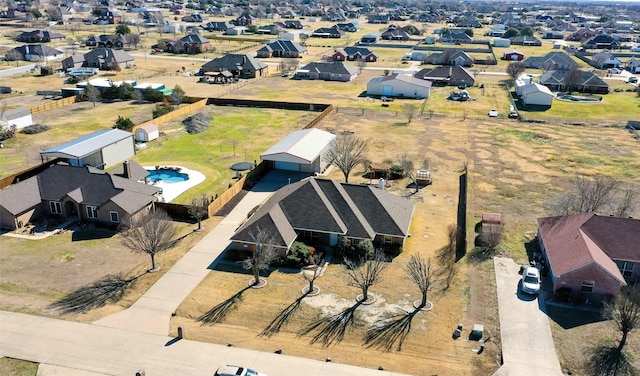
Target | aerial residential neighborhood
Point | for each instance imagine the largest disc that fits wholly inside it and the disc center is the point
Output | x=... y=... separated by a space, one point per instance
x=319 y=188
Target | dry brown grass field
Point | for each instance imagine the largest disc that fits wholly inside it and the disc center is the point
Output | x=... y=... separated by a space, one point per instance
x=514 y=168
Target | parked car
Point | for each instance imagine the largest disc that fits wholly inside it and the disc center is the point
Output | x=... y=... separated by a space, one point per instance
x=632 y=80
x=614 y=71
x=513 y=115
x=386 y=99
x=494 y=113
x=236 y=371
x=530 y=280
x=286 y=74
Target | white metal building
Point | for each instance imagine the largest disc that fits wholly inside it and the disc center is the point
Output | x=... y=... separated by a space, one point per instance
x=101 y=149
x=301 y=151
x=536 y=94
x=20 y=117
x=399 y=85
x=147 y=133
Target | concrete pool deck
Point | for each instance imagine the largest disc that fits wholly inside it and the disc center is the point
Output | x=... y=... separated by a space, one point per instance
x=172 y=190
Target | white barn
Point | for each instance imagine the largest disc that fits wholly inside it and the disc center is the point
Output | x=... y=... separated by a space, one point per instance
x=399 y=85
x=147 y=133
x=101 y=149
x=536 y=94
x=20 y=117
x=301 y=151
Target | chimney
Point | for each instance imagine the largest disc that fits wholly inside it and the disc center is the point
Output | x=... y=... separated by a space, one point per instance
x=125 y=170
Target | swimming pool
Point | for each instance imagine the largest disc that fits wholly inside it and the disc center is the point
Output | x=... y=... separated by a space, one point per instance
x=167 y=175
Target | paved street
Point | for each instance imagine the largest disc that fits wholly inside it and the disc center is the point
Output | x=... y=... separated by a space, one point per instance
x=527 y=344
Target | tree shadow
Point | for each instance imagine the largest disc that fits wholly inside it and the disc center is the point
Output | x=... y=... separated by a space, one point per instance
x=283 y=317
x=92 y=234
x=608 y=360
x=331 y=329
x=219 y=313
x=109 y=289
x=390 y=332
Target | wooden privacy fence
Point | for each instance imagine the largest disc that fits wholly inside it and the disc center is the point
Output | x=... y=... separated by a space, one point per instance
x=178 y=112
x=55 y=104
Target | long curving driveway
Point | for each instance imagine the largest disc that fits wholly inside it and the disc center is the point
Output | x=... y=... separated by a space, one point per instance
x=527 y=344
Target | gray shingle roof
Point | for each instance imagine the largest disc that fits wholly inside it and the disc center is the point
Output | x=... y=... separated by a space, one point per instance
x=326 y=206
x=231 y=61
x=336 y=67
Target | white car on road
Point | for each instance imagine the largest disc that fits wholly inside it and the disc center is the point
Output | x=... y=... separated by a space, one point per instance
x=237 y=371
x=494 y=113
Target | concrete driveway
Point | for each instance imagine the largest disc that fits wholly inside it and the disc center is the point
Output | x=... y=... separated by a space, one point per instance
x=527 y=344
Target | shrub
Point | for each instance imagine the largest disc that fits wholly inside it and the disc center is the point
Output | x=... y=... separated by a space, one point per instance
x=299 y=253
x=161 y=109
x=393 y=250
x=197 y=123
x=123 y=123
x=46 y=71
x=152 y=95
x=35 y=128
x=346 y=249
x=7 y=133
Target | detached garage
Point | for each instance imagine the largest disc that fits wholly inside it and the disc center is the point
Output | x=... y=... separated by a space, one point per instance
x=399 y=85
x=300 y=151
x=536 y=94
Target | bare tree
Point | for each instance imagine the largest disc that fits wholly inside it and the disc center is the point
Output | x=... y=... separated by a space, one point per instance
x=361 y=63
x=311 y=272
x=515 y=69
x=624 y=312
x=365 y=272
x=262 y=256
x=198 y=209
x=587 y=195
x=408 y=170
x=573 y=79
x=410 y=111
x=177 y=96
x=92 y=94
x=627 y=201
x=151 y=232
x=419 y=272
x=346 y=152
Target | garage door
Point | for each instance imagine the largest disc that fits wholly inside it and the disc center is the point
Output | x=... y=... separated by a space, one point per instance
x=387 y=90
x=287 y=166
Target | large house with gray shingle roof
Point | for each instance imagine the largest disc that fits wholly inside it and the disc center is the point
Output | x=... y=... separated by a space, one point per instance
x=86 y=193
x=281 y=48
x=319 y=211
x=588 y=82
x=240 y=65
x=551 y=61
x=590 y=256
x=327 y=71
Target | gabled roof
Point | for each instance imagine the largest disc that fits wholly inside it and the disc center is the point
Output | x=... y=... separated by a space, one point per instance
x=86 y=145
x=136 y=172
x=15 y=113
x=557 y=60
x=407 y=78
x=336 y=67
x=43 y=34
x=557 y=77
x=445 y=72
x=358 y=211
x=363 y=51
x=232 y=61
x=107 y=55
x=37 y=49
x=283 y=45
x=85 y=185
x=569 y=248
x=304 y=145
x=194 y=38
x=534 y=88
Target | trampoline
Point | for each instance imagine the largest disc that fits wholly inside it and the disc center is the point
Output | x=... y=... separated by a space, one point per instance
x=242 y=166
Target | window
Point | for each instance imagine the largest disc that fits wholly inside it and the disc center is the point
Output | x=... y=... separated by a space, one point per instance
x=355 y=241
x=625 y=267
x=387 y=239
x=114 y=217
x=587 y=286
x=55 y=207
x=92 y=212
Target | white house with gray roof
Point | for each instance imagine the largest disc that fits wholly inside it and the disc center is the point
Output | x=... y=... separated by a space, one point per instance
x=301 y=151
x=101 y=149
x=318 y=211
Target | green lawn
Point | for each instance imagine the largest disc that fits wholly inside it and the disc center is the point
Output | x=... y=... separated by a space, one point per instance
x=234 y=135
x=15 y=367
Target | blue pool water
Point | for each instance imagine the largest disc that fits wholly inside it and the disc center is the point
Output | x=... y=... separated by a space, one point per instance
x=167 y=176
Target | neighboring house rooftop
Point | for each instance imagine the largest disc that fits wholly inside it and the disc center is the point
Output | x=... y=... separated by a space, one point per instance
x=577 y=240
x=356 y=211
x=404 y=78
x=88 y=144
x=15 y=113
x=336 y=67
x=304 y=145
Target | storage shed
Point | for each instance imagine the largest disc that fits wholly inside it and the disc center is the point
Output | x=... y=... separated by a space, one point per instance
x=20 y=117
x=147 y=133
x=101 y=149
x=536 y=94
x=301 y=151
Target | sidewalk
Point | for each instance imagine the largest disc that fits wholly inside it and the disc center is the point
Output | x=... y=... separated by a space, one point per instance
x=88 y=349
x=152 y=312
